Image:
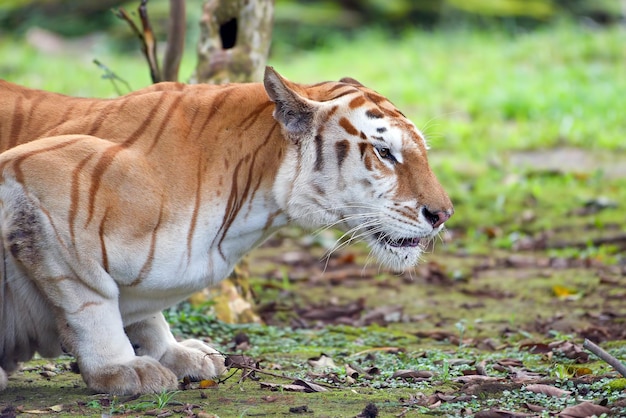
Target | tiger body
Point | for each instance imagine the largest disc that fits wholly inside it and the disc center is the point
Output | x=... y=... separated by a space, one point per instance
x=113 y=210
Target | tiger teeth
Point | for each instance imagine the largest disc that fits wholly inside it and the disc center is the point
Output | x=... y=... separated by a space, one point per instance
x=401 y=242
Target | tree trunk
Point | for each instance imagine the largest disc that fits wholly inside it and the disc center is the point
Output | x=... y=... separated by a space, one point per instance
x=234 y=41
x=235 y=37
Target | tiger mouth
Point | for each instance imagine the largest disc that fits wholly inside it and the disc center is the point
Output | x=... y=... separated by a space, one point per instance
x=407 y=242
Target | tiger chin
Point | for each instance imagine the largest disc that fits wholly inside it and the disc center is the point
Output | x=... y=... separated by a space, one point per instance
x=113 y=210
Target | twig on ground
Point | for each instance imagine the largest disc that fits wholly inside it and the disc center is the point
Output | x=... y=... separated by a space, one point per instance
x=247 y=365
x=606 y=357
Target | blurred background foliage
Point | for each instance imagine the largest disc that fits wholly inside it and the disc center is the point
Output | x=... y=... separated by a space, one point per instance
x=307 y=23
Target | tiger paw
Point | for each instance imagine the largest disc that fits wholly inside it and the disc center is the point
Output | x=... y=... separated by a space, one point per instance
x=194 y=359
x=141 y=375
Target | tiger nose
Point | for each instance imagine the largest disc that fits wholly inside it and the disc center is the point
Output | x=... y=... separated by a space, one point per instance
x=436 y=219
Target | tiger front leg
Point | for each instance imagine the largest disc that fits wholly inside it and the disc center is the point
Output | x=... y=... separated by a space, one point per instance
x=190 y=358
x=91 y=328
x=83 y=297
x=106 y=358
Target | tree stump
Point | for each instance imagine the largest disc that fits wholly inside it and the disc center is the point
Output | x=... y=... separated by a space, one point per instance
x=235 y=37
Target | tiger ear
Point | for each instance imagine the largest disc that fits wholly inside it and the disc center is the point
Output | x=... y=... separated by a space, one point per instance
x=350 y=80
x=293 y=112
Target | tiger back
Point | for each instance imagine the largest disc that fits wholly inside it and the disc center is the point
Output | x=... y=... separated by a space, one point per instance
x=113 y=210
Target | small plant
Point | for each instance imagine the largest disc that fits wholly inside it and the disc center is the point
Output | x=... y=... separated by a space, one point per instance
x=445 y=370
x=163 y=398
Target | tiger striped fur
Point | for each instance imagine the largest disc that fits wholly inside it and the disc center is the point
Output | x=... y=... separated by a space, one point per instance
x=112 y=210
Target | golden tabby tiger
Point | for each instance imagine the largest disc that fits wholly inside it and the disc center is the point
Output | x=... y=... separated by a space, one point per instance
x=112 y=210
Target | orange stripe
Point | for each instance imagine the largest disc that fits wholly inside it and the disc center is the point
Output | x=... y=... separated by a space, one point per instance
x=16 y=125
x=196 y=209
x=103 y=248
x=75 y=195
x=19 y=175
x=147 y=266
x=166 y=119
x=109 y=155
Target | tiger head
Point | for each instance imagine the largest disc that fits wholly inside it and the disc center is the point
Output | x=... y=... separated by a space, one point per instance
x=357 y=163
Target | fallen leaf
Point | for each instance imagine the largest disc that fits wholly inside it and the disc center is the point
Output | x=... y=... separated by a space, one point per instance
x=204 y=384
x=536 y=348
x=383 y=315
x=391 y=350
x=547 y=390
x=475 y=378
x=563 y=292
x=310 y=386
x=497 y=413
x=351 y=372
x=435 y=405
x=534 y=408
x=287 y=388
x=321 y=362
x=510 y=362
x=412 y=374
x=584 y=410
x=56 y=408
x=570 y=350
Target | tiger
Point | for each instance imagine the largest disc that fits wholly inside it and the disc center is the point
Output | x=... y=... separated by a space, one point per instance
x=112 y=210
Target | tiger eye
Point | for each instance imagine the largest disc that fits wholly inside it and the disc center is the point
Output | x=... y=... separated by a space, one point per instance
x=384 y=152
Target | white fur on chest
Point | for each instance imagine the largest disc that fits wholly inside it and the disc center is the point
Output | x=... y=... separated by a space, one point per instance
x=179 y=269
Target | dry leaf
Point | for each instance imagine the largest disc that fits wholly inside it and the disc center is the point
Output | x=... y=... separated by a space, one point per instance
x=547 y=390
x=584 y=410
x=390 y=350
x=310 y=386
x=497 y=413
x=321 y=362
x=534 y=408
x=204 y=384
x=412 y=374
x=565 y=292
x=351 y=372
x=536 y=348
x=287 y=388
x=475 y=378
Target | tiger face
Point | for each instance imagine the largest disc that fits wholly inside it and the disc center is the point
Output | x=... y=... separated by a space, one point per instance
x=359 y=164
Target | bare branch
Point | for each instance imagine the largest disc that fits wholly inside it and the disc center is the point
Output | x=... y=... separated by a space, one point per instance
x=149 y=42
x=121 y=13
x=148 y=50
x=603 y=355
x=175 y=40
